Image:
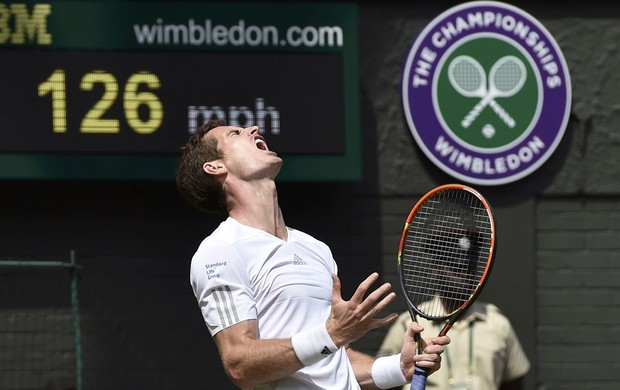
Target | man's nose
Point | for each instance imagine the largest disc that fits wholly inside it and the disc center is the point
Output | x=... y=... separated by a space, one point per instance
x=252 y=130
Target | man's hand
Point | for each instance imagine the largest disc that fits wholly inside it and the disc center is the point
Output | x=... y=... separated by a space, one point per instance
x=351 y=319
x=430 y=358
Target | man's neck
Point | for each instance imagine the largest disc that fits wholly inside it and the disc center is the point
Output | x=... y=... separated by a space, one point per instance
x=255 y=204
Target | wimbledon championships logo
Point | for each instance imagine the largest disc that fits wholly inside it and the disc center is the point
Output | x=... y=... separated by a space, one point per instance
x=486 y=92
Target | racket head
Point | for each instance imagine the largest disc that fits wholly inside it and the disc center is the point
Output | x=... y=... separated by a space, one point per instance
x=467 y=76
x=507 y=76
x=446 y=252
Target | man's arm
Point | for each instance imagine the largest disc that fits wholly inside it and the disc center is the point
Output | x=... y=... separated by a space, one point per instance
x=362 y=366
x=249 y=361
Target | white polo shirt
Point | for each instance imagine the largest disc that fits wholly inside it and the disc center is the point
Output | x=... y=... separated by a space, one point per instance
x=240 y=273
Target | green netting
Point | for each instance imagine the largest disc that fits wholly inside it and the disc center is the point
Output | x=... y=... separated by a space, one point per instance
x=39 y=325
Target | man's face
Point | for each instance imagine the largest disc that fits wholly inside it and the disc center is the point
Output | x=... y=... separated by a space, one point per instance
x=245 y=152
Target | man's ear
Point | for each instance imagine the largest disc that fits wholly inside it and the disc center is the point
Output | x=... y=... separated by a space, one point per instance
x=214 y=167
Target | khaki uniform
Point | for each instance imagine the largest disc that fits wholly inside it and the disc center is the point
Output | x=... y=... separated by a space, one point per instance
x=483 y=353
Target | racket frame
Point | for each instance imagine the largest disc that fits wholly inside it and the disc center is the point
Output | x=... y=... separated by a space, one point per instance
x=452 y=317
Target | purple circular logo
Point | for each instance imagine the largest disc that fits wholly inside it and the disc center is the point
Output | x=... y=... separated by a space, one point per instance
x=486 y=92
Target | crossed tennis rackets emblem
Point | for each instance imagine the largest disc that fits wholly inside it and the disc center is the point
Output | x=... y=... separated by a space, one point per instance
x=506 y=77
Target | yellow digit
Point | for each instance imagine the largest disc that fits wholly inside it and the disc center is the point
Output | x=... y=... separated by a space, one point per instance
x=132 y=100
x=93 y=122
x=5 y=27
x=55 y=85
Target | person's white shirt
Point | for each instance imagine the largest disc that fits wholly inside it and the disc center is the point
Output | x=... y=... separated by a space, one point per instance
x=241 y=273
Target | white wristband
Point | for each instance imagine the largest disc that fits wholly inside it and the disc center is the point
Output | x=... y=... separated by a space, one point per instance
x=313 y=344
x=386 y=372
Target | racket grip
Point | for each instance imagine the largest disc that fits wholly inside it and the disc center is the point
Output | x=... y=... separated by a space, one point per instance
x=419 y=379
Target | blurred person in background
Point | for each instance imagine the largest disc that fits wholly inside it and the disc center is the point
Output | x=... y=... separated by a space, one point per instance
x=484 y=352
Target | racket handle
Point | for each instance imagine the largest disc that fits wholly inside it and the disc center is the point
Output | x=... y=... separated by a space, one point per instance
x=419 y=379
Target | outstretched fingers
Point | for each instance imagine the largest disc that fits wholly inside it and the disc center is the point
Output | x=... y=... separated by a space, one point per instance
x=336 y=289
x=362 y=289
x=375 y=302
x=351 y=319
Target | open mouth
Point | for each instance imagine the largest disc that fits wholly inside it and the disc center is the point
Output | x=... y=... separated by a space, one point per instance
x=261 y=144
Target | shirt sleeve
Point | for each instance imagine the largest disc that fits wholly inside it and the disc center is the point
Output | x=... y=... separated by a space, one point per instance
x=221 y=286
x=517 y=363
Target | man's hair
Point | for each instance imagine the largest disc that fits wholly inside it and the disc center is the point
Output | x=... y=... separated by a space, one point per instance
x=199 y=188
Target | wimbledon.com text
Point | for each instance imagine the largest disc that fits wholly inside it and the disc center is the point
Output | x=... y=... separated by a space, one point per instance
x=208 y=34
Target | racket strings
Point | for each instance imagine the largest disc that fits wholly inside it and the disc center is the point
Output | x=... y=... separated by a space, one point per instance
x=508 y=77
x=445 y=253
x=467 y=76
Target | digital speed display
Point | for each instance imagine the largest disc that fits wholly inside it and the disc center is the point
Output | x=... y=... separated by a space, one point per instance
x=150 y=102
x=113 y=90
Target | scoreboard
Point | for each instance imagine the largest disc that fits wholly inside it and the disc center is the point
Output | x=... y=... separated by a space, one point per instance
x=112 y=90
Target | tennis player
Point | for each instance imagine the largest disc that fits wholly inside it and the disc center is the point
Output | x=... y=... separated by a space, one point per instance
x=268 y=293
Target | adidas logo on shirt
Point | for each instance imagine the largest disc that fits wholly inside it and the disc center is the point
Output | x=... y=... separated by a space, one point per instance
x=298 y=260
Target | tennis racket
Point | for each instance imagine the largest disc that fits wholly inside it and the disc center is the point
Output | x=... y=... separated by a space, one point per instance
x=445 y=256
x=506 y=78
